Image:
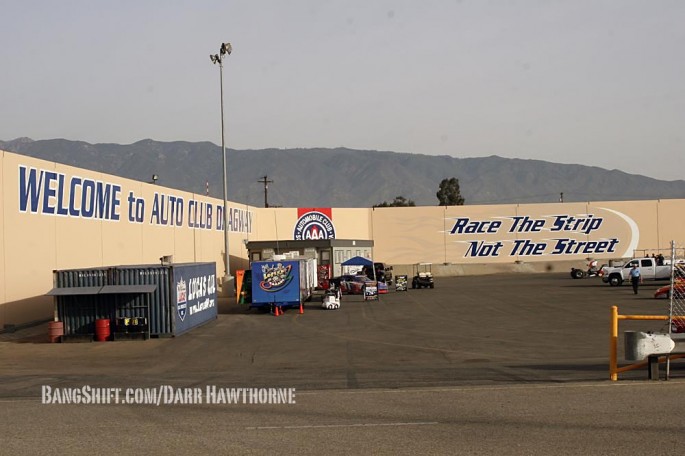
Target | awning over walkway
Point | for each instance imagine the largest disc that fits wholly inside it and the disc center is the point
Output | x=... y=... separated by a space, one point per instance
x=107 y=289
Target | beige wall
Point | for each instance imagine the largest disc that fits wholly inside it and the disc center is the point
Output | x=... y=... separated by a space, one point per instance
x=279 y=223
x=33 y=244
x=353 y=224
x=41 y=238
x=414 y=232
x=526 y=232
x=671 y=222
x=3 y=282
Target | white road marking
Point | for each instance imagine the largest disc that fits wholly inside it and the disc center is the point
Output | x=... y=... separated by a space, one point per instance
x=328 y=426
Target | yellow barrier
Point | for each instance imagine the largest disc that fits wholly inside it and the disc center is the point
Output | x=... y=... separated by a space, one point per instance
x=614 y=370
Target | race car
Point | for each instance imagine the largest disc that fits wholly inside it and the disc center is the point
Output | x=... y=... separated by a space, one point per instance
x=350 y=284
x=665 y=291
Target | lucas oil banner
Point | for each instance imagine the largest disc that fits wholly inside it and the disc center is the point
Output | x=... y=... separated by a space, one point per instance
x=195 y=295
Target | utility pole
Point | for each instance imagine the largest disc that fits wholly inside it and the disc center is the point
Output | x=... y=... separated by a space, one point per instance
x=264 y=180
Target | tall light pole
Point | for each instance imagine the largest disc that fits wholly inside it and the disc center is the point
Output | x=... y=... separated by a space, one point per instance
x=224 y=50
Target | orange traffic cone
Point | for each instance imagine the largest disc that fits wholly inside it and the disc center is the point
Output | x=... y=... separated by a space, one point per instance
x=279 y=311
x=301 y=308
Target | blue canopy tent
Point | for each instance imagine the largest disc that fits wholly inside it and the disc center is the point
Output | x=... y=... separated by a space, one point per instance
x=357 y=261
x=360 y=261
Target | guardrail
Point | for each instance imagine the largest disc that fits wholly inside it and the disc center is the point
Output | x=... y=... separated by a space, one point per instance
x=614 y=369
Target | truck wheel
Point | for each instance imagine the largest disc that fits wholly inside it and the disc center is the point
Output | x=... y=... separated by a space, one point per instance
x=432 y=285
x=615 y=280
x=578 y=274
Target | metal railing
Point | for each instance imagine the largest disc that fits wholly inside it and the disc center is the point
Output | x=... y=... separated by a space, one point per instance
x=614 y=368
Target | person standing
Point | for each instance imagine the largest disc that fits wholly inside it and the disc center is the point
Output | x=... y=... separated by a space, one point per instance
x=592 y=267
x=635 y=278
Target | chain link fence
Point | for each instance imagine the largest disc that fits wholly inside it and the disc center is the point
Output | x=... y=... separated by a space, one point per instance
x=676 y=290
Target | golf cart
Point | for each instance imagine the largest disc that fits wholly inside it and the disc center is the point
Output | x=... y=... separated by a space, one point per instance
x=423 y=276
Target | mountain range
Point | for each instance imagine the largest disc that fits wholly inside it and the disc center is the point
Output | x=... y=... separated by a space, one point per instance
x=341 y=177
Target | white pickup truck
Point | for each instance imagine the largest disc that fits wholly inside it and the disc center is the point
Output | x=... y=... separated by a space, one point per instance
x=649 y=270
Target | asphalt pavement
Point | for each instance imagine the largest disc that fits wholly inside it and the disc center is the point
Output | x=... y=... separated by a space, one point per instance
x=511 y=363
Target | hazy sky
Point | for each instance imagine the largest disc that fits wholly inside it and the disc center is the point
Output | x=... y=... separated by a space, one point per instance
x=592 y=82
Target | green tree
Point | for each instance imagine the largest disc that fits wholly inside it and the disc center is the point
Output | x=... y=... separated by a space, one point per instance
x=449 y=193
x=399 y=201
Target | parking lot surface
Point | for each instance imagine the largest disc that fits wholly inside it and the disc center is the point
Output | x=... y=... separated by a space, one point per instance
x=512 y=363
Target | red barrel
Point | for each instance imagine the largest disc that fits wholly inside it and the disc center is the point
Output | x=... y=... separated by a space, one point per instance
x=55 y=331
x=102 y=329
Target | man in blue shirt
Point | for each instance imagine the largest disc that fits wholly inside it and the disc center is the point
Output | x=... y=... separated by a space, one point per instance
x=635 y=278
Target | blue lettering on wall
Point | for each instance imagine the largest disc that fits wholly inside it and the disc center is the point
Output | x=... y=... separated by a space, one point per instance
x=29 y=189
x=136 y=208
x=219 y=218
x=199 y=215
x=584 y=225
x=61 y=209
x=526 y=224
x=466 y=226
x=483 y=249
x=167 y=210
x=526 y=247
x=239 y=220
x=51 y=193
x=73 y=210
x=87 y=194
x=574 y=247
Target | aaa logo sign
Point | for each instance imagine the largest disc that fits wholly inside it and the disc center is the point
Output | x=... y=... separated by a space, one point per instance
x=314 y=224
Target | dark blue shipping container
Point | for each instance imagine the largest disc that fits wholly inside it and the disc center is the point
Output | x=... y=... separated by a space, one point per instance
x=168 y=299
x=160 y=301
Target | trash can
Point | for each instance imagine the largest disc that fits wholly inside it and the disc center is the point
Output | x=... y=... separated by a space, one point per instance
x=102 y=331
x=55 y=331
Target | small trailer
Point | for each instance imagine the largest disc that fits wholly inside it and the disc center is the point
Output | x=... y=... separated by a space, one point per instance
x=278 y=284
